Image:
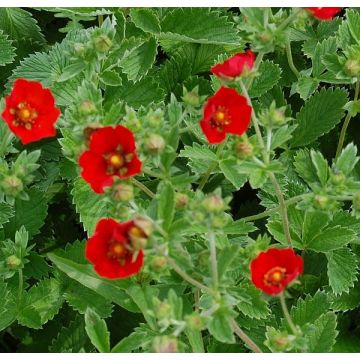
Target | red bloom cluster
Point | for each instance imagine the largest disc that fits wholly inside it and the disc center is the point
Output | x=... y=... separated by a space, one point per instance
x=235 y=66
x=30 y=111
x=113 y=249
x=324 y=13
x=112 y=152
x=273 y=270
x=225 y=112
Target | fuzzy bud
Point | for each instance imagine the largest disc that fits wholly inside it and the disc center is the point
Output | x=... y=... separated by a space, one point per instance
x=181 y=200
x=79 y=50
x=337 y=178
x=158 y=263
x=102 y=43
x=154 y=144
x=191 y=98
x=87 y=107
x=165 y=344
x=13 y=262
x=12 y=185
x=356 y=201
x=194 y=322
x=123 y=192
x=321 y=201
x=352 y=67
x=163 y=310
x=213 y=203
x=244 y=150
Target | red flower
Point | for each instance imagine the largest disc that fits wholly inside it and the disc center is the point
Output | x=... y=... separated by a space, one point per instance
x=111 y=250
x=112 y=152
x=30 y=111
x=324 y=13
x=225 y=112
x=273 y=270
x=235 y=65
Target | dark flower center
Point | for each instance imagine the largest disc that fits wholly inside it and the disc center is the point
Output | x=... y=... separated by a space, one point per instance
x=24 y=115
x=220 y=118
x=116 y=161
x=275 y=276
x=117 y=251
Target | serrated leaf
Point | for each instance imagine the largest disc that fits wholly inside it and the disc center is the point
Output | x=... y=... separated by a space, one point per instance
x=97 y=331
x=41 y=303
x=347 y=301
x=353 y=22
x=110 y=78
x=304 y=166
x=269 y=75
x=136 y=340
x=145 y=19
x=347 y=160
x=310 y=308
x=8 y=309
x=226 y=256
x=7 y=52
x=71 y=71
x=327 y=46
x=166 y=205
x=199 y=25
x=306 y=86
x=228 y=168
x=219 y=327
x=6 y=212
x=321 y=166
x=319 y=115
x=322 y=334
x=200 y=152
x=342 y=269
x=238 y=227
x=29 y=213
x=137 y=61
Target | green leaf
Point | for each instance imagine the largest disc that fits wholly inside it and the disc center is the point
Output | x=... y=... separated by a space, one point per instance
x=313 y=224
x=89 y=205
x=269 y=76
x=40 y=304
x=322 y=334
x=199 y=25
x=8 y=308
x=306 y=86
x=347 y=160
x=228 y=168
x=71 y=71
x=353 y=22
x=321 y=166
x=327 y=46
x=145 y=19
x=238 y=227
x=226 y=256
x=138 y=339
x=331 y=238
x=97 y=331
x=347 y=301
x=29 y=213
x=6 y=212
x=20 y=25
x=85 y=275
x=7 y=53
x=70 y=339
x=304 y=167
x=252 y=302
x=319 y=115
x=342 y=270
x=110 y=78
x=137 y=61
x=220 y=328
x=166 y=205
x=198 y=152
x=310 y=308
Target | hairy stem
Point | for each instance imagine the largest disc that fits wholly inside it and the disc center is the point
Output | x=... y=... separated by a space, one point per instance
x=288 y=20
x=286 y=314
x=213 y=260
x=143 y=187
x=346 y=123
x=245 y=338
x=290 y=60
x=21 y=285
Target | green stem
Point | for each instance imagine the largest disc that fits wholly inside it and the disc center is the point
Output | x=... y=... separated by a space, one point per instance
x=213 y=260
x=143 y=187
x=288 y=20
x=211 y=167
x=291 y=61
x=100 y=20
x=346 y=123
x=245 y=338
x=287 y=315
x=21 y=285
x=187 y=277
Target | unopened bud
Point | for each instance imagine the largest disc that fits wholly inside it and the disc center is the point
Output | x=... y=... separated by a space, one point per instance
x=12 y=185
x=191 y=98
x=213 y=203
x=278 y=117
x=79 y=49
x=87 y=107
x=158 y=263
x=321 y=201
x=163 y=310
x=352 y=67
x=144 y=224
x=264 y=37
x=102 y=43
x=123 y=192
x=356 y=201
x=194 y=322
x=181 y=200
x=165 y=344
x=244 y=150
x=337 y=178
x=13 y=262
x=154 y=144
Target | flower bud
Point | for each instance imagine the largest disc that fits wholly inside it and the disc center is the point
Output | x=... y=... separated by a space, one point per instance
x=337 y=178
x=13 y=262
x=163 y=310
x=158 y=263
x=165 y=344
x=155 y=118
x=194 y=322
x=321 y=201
x=213 y=203
x=181 y=200
x=12 y=185
x=144 y=224
x=264 y=37
x=123 y=192
x=191 y=98
x=356 y=201
x=102 y=43
x=352 y=67
x=278 y=116
x=87 y=107
x=244 y=150
x=154 y=144
x=79 y=49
